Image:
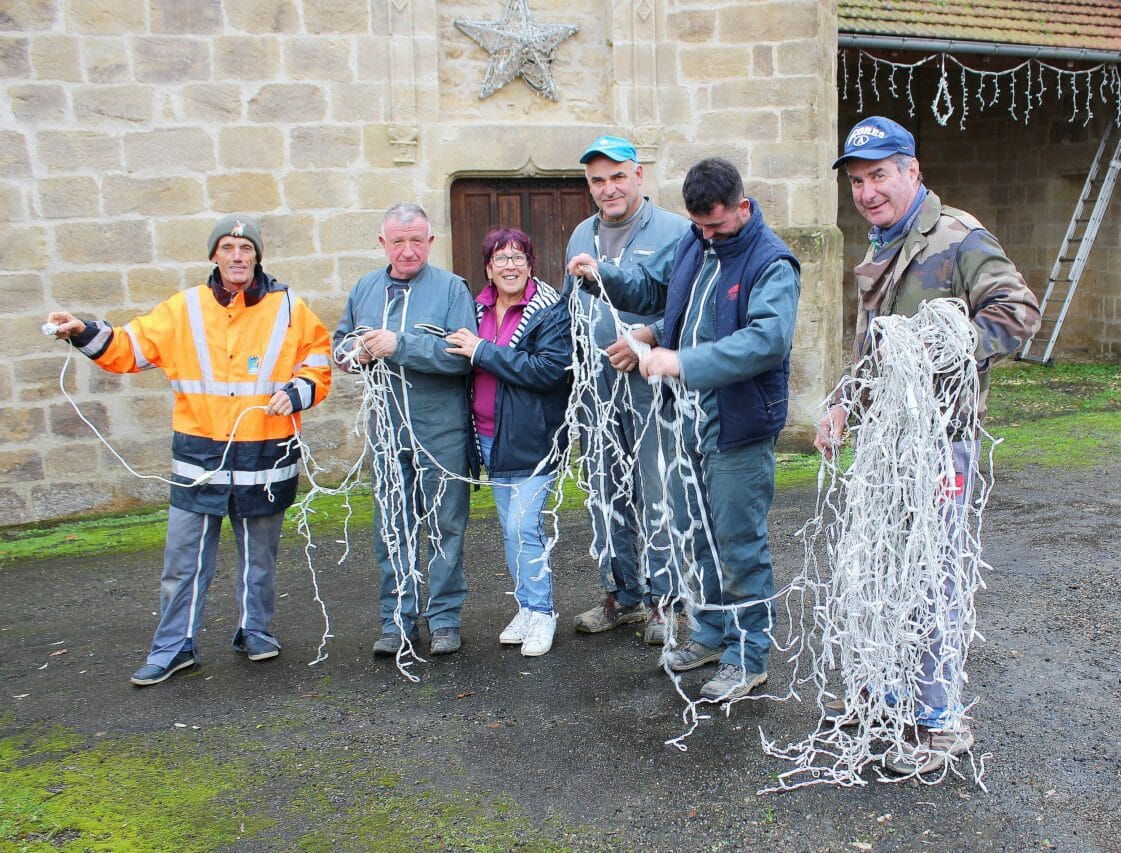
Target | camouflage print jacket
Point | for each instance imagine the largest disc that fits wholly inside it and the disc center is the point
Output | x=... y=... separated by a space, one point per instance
x=949 y=253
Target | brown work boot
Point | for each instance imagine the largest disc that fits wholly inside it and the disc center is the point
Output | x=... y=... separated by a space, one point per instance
x=609 y=615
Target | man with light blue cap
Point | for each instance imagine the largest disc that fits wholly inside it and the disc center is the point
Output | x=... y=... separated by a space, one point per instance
x=628 y=229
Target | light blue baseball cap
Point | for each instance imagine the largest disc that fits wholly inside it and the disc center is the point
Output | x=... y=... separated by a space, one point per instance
x=614 y=147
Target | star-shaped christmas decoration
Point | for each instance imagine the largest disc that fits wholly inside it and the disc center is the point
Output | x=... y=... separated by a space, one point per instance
x=518 y=46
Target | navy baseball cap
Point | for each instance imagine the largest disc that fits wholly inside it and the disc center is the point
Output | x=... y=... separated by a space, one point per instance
x=613 y=147
x=875 y=138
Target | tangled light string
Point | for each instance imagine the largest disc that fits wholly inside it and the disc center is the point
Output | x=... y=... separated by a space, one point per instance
x=892 y=563
x=958 y=85
x=672 y=508
x=291 y=446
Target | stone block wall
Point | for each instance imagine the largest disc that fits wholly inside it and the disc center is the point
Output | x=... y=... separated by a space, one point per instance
x=127 y=128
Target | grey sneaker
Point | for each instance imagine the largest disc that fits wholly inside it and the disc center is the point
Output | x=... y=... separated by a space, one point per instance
x=692 y=655
x=657 y=619
x=390 y=642
x=445 y=641
x=152 y=673
x=609 y=615
x=256 y=648
x=731 y=682
x=928 y=750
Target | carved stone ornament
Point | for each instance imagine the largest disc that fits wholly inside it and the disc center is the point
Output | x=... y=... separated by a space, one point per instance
x=519 y=47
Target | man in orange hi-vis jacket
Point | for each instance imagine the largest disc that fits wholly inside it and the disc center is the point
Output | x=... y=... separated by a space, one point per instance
x=241 y=346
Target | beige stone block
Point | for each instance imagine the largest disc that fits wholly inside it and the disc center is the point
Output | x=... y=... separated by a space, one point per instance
x=691 y=27
x=372 y=58
x=353 y=267
x=28 y=14
x=243 y=58
x=167 y=59
x=14 y=159
x=264 y=16
x=184 y=241
x=22 y=288
x=708 y=63
x=785 y=162
x=318 y=190
x=13 y=57
x=217 y=103
x=152 y=196
x=74 y=458
x=96 y=16
x=251 y=146
x=15 y=508
x=106 y=60
x=336 y=16
x=379 y=189
x=349 y=232
x=37 y=102
x=763 y=60
x=740 y=92
x=23 y=248
x=304 y=275
x=169 y=151
x=194 y=274
x=88 y=290
x=22 y=424
x=773 y=21
x=288 y=103
x=6 y=382
x=360 y=102
x=21 y=466
x=56 y=58
x=96 y=104
x=147 y=415
x=318 y=58
x=243 y=191
x=801 y=58
x=71 y=150
x=376 y=149
x=123 y=242
x=12 y=207
x=39 y=375
x=21 y=334
x=324 y=145
x=199 y=17
x=288 y=235
x=65 y=423
x=68 y=197
x=149 y=286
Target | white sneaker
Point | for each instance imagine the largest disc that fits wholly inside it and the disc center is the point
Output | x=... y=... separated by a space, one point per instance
x=514 y=633
x=538 y=636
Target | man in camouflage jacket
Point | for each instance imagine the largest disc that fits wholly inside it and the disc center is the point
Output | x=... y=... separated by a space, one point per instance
x=921 y=249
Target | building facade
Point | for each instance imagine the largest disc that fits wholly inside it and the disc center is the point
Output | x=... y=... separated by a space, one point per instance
x=127 y=128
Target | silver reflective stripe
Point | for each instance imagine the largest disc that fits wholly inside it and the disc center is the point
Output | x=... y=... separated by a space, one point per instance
x=100 y=340
x=226 y=389
x=198 y=334
x=315 y=360
x=141 y=361
x=279 y=332
x=240 y=478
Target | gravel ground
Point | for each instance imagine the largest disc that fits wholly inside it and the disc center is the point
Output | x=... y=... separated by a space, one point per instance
x=576 y=739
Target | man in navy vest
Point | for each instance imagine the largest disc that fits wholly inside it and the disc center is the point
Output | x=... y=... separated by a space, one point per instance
x=730 y=305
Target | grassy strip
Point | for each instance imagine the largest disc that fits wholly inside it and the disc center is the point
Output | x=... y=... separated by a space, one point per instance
x=1067 y=415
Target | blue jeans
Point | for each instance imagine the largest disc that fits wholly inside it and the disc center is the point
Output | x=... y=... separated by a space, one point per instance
x=520 y=504
x=936 y=675
x=739 y=486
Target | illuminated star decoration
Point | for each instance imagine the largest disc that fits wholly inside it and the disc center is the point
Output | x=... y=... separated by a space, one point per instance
x=518 y=46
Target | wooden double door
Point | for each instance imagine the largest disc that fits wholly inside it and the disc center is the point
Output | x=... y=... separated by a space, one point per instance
x=545 y=209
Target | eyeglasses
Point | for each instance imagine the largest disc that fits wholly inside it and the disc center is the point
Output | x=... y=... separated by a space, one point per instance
x=503 y=260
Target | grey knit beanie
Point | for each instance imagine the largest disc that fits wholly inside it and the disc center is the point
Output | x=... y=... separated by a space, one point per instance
x=236 y=225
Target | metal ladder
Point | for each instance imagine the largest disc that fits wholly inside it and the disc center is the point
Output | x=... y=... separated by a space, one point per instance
x=1076 y=246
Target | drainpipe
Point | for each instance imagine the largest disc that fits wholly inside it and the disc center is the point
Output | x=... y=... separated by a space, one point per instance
x=1073 y=54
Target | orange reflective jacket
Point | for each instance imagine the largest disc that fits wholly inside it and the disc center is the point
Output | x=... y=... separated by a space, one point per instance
x=223 y=360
